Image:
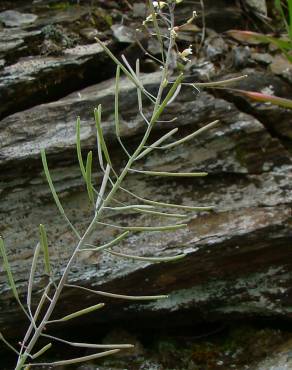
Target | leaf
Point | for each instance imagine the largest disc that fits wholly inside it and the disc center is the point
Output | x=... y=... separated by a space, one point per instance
x=117 y=120
x=161 y=214
x=192 y=135
x=171 y=174
x=97 y=115
x=80 y=313
x=248 y=36
x=119 y=296
x=8 y=270
x=77 y=359
x=259 y=38
x=169 y=205
x=41 y=351
x=109 y=244
x=88 y=177
x=45 y=248
x=156 y=143
x=219 y=83
x=54 y=193
x=8 y=344
x=149 y=259
x=265 y=98
x=279 y=7
x=78 y=147
x=31 y=276
x=169 y=95
x=148 y=228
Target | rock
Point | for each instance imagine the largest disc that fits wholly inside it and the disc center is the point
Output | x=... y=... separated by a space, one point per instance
x=238 y=258
x=220 y=21
x=215 y=48
x=18 y=43
x=43 y=76
x=237 y=272
x=90 y=33
x=154 y=47
x=279 y=359
x=188 y=32
x=259 y=6
x=262 y=58
x=202 y=70
x=124 y=337
x=241 y=56
x=150 y=365
x=123 y=33
x=13 y=18
x=236 y=346
x=139 y=10
x=282 y=67
x=278 y=120
x=149 y=65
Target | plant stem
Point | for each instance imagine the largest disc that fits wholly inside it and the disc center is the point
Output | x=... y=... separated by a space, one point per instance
x=39 y=329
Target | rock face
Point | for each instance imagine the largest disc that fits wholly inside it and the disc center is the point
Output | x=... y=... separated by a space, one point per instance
x=238 y=257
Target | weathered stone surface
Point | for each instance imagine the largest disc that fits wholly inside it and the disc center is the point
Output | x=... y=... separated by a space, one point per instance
x=237 y=271
x=41 y=77
x=12 y=18
x=238 y=258
x=43 y=59
x=276 y=119
x=258 y=6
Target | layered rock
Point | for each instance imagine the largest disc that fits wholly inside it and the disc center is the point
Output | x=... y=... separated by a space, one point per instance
x=238 y=257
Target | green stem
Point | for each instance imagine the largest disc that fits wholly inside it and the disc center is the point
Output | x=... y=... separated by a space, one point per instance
x=22 y=359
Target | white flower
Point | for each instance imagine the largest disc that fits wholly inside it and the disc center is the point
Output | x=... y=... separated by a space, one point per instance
x=185 y=53
x=161 y=4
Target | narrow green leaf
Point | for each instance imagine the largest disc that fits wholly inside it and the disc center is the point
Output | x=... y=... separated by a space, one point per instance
x=118 y=296
x=290 y=18
x=77 y=359
x=97 y=115
x=156 y=143
x=139 y=93
x=89 y=345
x=111 y=55
x=8 y=270
x=80 y=313
x=265 y=98
x=45 y=248
x=219 y=83
x=31 y=276
x=8 y=344
x=42 y=351
x=162 y=214
x=117 y=120
x=148 y=259
x=54 y=193
x=103 y=186
x=129 y=207
x=257 y=38
x=147 y=228
x=169 y=95
x=78 y=146
x=107 y=245
x=248 y=36
x=171 y=174
x=278 y=6
x=191 y=136
x=88 y=177
x=168 y=205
